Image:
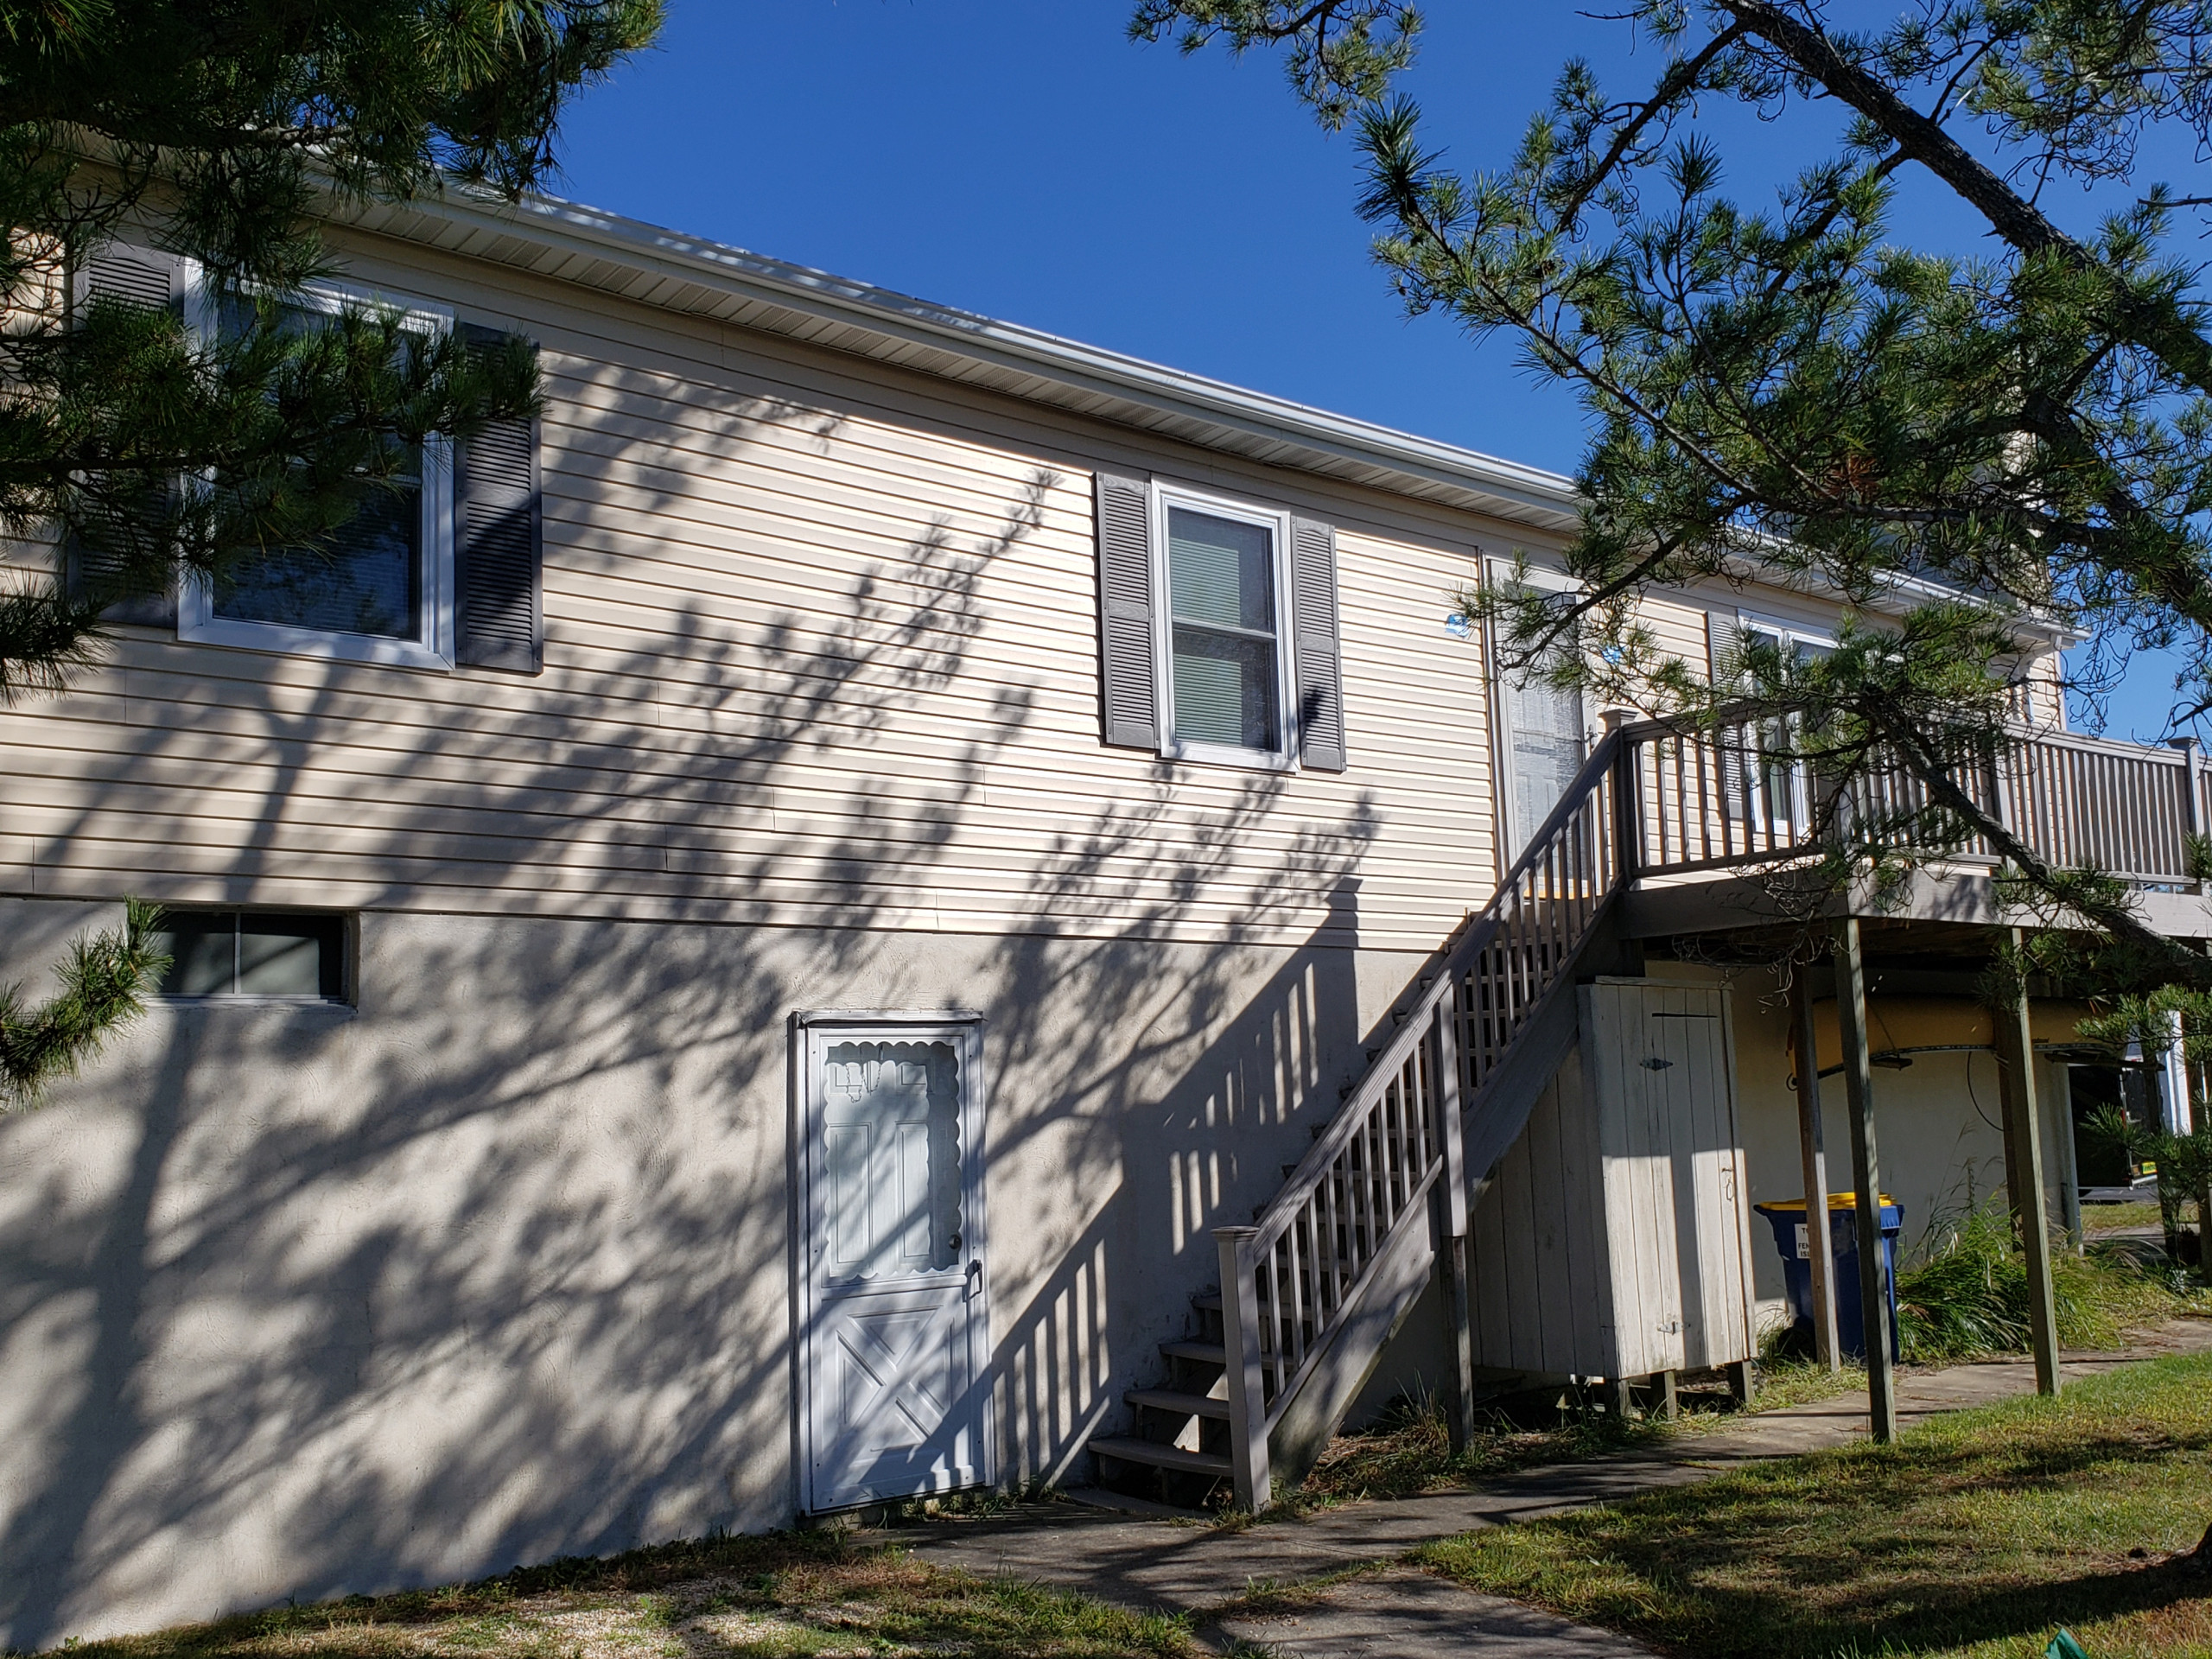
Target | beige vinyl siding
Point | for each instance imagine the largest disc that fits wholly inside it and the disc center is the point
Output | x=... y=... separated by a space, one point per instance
x=821 y=652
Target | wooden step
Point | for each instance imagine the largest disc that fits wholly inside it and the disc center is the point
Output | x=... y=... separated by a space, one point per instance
x=1160 y=1457
x=1189 y=1405
x=1210 y=1300
x=1206 y=1353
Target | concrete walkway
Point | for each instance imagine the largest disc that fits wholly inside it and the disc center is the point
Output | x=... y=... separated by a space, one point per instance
x=1189 y=1567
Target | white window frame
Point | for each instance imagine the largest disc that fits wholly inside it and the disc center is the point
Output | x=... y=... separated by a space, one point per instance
x=1796 y=812
x=1276 y=521
x=433 y=647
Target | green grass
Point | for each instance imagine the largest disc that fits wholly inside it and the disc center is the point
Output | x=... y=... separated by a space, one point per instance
x=1970 y=1295
x=1979 y=1533
x=746 y=1597
x=2110 y=1217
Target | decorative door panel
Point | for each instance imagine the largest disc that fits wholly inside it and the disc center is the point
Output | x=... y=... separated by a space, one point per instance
x=893 y=1263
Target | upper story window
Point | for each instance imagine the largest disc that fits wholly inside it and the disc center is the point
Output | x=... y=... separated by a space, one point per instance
x=381 y=590
x=1225 y=660
x=1217 y=629
x=287 y=955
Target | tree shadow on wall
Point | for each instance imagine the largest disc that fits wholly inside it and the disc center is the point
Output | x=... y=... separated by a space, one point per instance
x=297 y=1304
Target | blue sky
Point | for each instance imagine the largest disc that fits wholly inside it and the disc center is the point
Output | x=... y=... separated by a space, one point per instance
x=1019 y=158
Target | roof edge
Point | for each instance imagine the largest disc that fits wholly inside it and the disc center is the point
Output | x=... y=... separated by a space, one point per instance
x=1528 y=490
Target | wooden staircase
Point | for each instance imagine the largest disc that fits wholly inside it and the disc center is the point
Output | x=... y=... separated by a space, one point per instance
x=1312 y=1292
x=1177 y=1450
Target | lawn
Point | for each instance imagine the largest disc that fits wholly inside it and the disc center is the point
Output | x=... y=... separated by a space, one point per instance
x=1979 y=1533
x=746 y=1598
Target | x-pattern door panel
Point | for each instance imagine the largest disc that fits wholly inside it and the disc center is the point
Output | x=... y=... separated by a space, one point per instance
x=893 y=1264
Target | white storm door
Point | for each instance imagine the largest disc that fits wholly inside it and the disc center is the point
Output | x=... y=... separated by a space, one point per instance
x=1545 y=749
x=893 y=1264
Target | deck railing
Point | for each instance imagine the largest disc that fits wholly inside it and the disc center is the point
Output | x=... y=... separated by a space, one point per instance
x=1311 y=1290
x=1733 y=795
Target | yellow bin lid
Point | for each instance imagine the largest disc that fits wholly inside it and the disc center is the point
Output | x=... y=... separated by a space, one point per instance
x=1836 y=1201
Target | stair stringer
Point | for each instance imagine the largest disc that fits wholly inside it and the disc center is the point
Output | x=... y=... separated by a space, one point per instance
x=1493 y=1120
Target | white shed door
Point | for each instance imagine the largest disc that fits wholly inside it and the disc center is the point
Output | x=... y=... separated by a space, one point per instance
x=893 y=1263
x=1673 y=1187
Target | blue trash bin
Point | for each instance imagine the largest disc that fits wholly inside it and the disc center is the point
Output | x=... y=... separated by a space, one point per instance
x=1787 y=1217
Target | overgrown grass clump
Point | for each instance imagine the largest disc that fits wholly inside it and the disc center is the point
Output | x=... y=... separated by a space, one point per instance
x=764 y=1597
x=1979 y=1533
x=1970 y=1295
x=1408 y=1451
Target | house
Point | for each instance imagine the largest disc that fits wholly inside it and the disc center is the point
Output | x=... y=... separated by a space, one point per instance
x=762 y=948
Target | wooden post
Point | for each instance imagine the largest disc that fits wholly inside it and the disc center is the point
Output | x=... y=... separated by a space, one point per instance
x=2016 y=1075
x=1859 y=1091
x=2192 y=814
x=1451 y=1218
x=1240 y=1338
x=1665 y=1404
x=1628 y=803
x=1620 y=1397
x=1744 y=1380
x=2069 y=1170
x=1812 y=1152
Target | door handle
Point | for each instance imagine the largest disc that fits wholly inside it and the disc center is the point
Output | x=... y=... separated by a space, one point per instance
x=971 y=1284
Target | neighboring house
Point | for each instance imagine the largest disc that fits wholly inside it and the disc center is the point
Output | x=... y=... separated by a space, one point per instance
x=732 y=963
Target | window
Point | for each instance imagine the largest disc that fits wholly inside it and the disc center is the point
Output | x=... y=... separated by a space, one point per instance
x=1225 y=625
x=1217 y=629
x=1765 y=786
x=380 y=591
x=1543 y=735
x=291 y=956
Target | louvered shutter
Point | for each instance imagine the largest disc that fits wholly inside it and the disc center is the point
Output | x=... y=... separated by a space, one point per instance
x=1316 y=653
x=499 y=547
x=1128 y=686
x=143 y=277
x=147 y=277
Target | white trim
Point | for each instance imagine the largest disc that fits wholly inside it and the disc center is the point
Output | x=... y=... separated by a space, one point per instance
x=433 y=647
x=1790 y=633
x=812 y=1033
x=1276 y=521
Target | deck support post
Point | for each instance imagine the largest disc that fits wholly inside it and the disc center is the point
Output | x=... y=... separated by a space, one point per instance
x=1812 y=1152
x=1450 y=1212
x=2016 y=1074
x=1744 y=1380
x=1858 y=1089
x=1240 y=1339
x=2070 y=1170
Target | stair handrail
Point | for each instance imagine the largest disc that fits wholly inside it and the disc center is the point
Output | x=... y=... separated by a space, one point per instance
x=1475 y=934
x=1429 y=1130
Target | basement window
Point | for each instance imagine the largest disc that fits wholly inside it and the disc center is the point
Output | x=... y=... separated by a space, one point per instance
x=284 y=955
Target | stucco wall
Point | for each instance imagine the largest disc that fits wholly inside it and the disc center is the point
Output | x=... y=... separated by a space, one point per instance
x=298 y=1301
x=1939 y=1140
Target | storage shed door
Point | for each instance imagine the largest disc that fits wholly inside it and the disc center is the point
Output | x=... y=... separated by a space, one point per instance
x=1665 y=1092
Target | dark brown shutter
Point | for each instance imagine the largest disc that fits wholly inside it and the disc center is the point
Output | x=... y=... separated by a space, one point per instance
x=499 y=547
x=147 y=277
x=1318 y=657
x=1128 y=682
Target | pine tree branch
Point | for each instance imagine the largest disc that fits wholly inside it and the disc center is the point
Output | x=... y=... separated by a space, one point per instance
x=103 y=986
